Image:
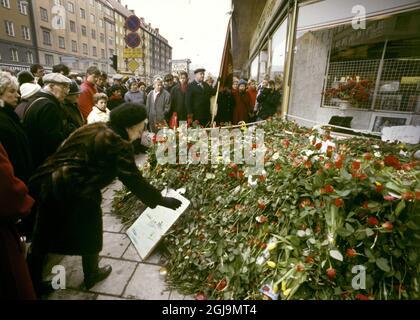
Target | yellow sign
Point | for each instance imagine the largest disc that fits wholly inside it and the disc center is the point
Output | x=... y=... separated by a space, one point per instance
x=133 y=53
x=410 y=80
x=133 y=65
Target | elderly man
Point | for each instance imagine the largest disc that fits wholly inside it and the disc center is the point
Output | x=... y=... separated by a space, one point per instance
x=158 y=105
x=198 y=98
x=44 y=119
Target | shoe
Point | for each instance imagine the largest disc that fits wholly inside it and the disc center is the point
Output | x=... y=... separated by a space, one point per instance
x=102 y=274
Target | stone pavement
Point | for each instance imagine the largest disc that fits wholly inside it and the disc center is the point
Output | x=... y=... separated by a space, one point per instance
x=131 y=277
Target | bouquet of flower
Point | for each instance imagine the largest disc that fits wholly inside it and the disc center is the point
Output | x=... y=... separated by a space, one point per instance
x=356 y=92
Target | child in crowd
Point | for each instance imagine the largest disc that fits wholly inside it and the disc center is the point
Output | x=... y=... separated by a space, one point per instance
x=99 y=113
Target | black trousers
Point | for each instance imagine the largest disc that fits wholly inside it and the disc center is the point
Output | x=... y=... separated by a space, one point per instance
x=90 y=264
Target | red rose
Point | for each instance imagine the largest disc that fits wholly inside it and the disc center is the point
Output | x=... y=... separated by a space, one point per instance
x=277 y=167
x=367 y=156
x=240 y=174
x=392 y=161
x=339 y=202
x=300 y=267
x=360 y=296
x=379 y=188
x=261 y=205
x=221 y=285
x=351 y=253
x=318 y=145
x=407 y=195
x=329 y=188
x=328 y=166
x=331 y=273
x=338 y=164
x=365 y=205
x=285 y=143
x=372 y=221
x=234 y=166
x=388 y=225
x=200 y=296
x=232 y=174
x=389 y=198
x=262 y=178
x=309 y=260
x=355 y=165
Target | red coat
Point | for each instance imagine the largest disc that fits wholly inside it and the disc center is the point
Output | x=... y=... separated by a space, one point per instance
x=86 y=102
x=242 y=107
x=252 y=93
x=15 y=281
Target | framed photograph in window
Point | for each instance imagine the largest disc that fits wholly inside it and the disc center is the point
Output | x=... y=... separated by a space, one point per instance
x=389 y=86
x=391 y=102
x=381 y=120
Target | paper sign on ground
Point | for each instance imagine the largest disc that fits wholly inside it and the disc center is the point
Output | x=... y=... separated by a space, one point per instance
x=149 y=228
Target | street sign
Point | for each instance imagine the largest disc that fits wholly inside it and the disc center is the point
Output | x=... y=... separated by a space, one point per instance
x=132 y=23
x=133 y=65
x=133 y=53
x=132 y=39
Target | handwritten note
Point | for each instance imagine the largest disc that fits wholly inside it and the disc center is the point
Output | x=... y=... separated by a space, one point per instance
x=151 y=226
x=406 y=134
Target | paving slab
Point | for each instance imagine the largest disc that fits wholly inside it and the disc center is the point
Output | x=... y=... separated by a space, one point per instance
x=147 y=284
x=121 y=273
x=115 y=244
x=111 y=223
x=175 y=295
x=155 y=258
x=105 y=297
x=70 y=294
x=74 y=272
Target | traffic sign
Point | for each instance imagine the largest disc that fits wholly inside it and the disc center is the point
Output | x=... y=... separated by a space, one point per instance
x=133 y=53
x=133 y=65
x=132 y=23
x=132 y=39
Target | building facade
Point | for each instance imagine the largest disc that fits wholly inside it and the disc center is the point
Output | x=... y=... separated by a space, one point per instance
x=17 y=35
x=76 y=33
x=316 y=47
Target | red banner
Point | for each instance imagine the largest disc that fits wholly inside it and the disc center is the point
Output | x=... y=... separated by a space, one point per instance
x=226 y=69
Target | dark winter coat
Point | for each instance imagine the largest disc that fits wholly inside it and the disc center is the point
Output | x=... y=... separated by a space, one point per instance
x=15 y=141
x=268 y=101
x=74 y=118
x=69 y=218
x=15 y=281
x=178 y=103
x=225 y=105
x=198 y=101
x=44 y=123
x=242 y=107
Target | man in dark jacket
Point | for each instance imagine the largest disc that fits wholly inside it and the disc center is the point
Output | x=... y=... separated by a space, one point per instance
x=268 y=101
x=69 y=219
x=198 y=98
x=74 y=118
x=44 y=119
x=178 y=97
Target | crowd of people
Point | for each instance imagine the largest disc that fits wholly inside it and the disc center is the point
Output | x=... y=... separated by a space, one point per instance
x=64 y=138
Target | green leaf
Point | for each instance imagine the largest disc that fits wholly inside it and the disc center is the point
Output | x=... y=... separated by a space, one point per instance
x=344 y=193
x=400 y=207
x=392 y=186
x=336 y=255
x=369 y=232
x=383 y=264
x=345 y=175
x=412 y=225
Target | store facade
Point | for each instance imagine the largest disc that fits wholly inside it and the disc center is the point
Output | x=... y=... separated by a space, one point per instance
x=358 y=59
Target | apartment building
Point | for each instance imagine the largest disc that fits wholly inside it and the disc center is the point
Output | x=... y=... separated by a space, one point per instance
x=17 y=38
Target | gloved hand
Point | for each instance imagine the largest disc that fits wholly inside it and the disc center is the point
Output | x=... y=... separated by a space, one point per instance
x=170 y=203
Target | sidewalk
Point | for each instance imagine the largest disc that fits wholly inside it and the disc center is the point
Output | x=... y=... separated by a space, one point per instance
x=131 y=278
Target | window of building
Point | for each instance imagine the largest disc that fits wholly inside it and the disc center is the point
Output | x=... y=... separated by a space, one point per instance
x=73 y=46
x=26 y=33
x=61 y=42
x=5 y=3
x=82 y=13
x=94 y=53
x=10 y=28
x=14 y=54
x=46 y=36
x=91 y=2
x=380 y=62
x=101 y=23
x=107 y=11
x=85 y=48
x=92 y=18
x=111 y=41
x=278 y=51
x=70 y=7
x=102 y=53
x=29 y=57
x=72 y=26
x=111 y=52
x=58 y=2
x=23 y=7
x=44 y=14
x=84 y=32
x=99 y=6
x=49 y=59
x=254 y=68
x=93 y=32
x=102 y=37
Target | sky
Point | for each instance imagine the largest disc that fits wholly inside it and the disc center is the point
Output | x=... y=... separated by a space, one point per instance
x=195 y=29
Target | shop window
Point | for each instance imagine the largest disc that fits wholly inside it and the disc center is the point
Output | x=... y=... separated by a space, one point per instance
x=278 y=51
x=377 y=68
